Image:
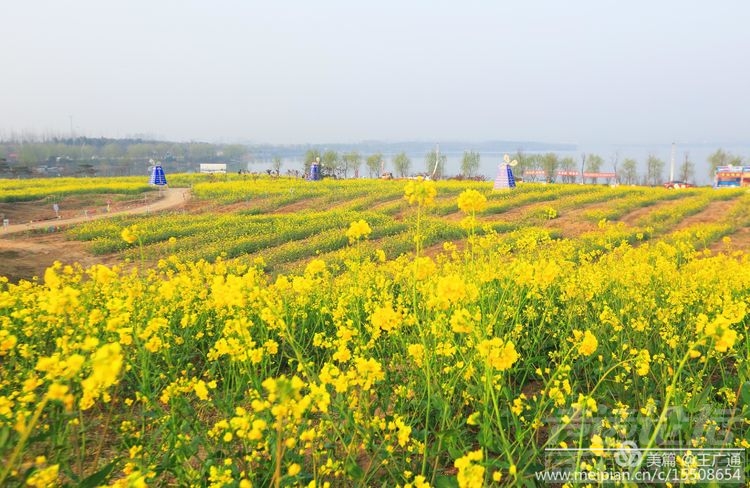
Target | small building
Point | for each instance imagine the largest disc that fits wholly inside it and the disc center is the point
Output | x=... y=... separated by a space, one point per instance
x=213 y=168
x=732 y=176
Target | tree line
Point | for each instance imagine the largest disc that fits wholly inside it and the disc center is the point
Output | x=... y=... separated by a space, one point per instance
x=350 y=163
x=626 y=171
x=90 y=156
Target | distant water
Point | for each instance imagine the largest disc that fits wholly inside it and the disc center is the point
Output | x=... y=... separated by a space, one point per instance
x=489 y=161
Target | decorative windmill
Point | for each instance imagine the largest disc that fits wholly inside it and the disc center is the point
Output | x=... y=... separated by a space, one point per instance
x=315 y=174
x=157 y=176
x=505 y=179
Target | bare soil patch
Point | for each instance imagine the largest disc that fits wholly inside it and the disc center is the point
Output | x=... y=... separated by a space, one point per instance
x=35 y=238
x=714 y=212
x=739 y=241
x=633 y=217
x=301 y=205
x=25 y=257
x=572 y=223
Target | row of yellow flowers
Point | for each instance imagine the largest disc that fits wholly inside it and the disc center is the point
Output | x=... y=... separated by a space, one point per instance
x=455 y=368
x=17 y=190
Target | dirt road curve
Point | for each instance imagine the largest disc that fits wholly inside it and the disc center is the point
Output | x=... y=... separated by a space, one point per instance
x=172 y=197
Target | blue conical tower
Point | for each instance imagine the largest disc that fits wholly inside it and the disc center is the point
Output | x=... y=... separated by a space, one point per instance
x=157 y=176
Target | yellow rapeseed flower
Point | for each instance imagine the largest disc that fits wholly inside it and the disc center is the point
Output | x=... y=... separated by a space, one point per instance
x=44 y=477
x=471 y=202
x=498 y=354
x=315 y=266
x=587 y=342
x=200 y=390
x=385 y=318
x=129 y=234
x=416 y=352
x=470 y=475
x=358 y=230
x=642 y=362
x=420 y=191
x=597 y=445
x=294 y=469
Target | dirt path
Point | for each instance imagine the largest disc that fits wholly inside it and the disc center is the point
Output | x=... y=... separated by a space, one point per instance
x=25 y=256
x=739 y=241
x=571 y=222
x=714 y=212
x=172 y=197
x=632 y=218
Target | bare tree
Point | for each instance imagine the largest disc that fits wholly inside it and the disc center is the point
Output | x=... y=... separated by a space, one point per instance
x=687 y=169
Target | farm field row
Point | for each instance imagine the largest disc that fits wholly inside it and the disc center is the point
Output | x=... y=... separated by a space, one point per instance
x=279 y=332
x=286 y=222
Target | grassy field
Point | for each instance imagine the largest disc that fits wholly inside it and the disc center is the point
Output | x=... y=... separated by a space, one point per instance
x=279 y=332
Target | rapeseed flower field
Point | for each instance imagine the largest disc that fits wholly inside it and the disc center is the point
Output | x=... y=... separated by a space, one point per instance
x=405 y=334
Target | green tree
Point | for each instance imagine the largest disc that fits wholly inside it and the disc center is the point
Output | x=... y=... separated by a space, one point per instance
x=351 y=161
x=435 y=164
x=234 y=152
x=32 y=153
x=722 y=158
x=549 y=163
x=470 y=163
x=629 y=171
x=142 y=151
x=86 y=152
x=374 y=164
x=311 y=156
x=654 y=170
x=401 y=164
x=200 y=152
x=568 y=164
x=330 y=163
x=112 y=151
x=594 y=164
x=524 y=162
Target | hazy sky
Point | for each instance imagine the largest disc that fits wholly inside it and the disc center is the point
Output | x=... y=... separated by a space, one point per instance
x=344 y=71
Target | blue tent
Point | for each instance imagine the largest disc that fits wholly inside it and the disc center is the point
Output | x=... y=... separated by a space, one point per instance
x=157 y=176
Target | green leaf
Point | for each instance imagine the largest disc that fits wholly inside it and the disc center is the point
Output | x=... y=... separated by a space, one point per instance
x=745 y=393
x=443 y=481
x=354 y=470
x=98 y=478
x=4 y=435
